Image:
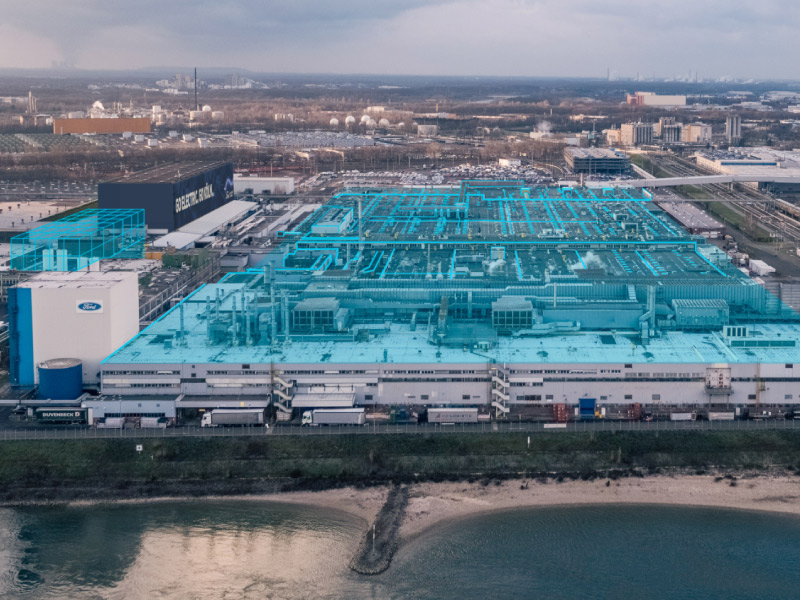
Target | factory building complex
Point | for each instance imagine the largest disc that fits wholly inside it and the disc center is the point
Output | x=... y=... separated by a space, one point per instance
x=172 y=195
x=491 y=295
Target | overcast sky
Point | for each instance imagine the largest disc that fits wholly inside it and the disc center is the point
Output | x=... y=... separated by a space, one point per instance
x=738 y=38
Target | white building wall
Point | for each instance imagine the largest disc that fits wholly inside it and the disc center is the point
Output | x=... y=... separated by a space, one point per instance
x=62 y=330
x=259 y=185
x=665 y=101
x=450 y=384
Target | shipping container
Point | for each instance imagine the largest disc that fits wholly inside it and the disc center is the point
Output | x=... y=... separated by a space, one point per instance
x=111 y=423
x=587 y=408
x=334 y=416
x=233 y=417
x=721 y=416
x=682 y=416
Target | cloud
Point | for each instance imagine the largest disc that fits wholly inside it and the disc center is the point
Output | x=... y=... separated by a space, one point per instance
x=502 y=37
x=26 y=48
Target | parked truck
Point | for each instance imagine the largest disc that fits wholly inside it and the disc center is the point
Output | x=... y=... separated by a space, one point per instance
x=154 y=423
x=683 y=416
x=111 y=423
x=63 y=415
x=727 y=415
x=452 y=415
x=334 y=416
x=233 y=417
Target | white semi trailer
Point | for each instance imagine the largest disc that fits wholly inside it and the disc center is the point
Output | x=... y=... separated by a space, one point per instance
x=452 y=415
x=334 y=416
x=233 y=417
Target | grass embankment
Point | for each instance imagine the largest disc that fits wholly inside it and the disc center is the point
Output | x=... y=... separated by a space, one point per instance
x=643 y=162
x=63 y=469
x=737 y=220
x=690 y=191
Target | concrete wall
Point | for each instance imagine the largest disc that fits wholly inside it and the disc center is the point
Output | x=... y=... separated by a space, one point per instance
x=270 y=185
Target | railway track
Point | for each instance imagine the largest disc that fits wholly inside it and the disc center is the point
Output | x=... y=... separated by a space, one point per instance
x=755 y=206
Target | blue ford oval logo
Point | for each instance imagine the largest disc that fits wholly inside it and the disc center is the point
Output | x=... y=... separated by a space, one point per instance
x=90 y=306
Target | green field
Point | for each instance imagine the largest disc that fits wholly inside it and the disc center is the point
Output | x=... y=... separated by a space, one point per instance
x=641 y=161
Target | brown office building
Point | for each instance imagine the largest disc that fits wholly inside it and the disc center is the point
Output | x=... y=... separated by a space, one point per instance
x=62 y=126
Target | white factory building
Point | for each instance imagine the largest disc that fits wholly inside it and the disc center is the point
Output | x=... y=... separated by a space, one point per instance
x=657 y=100
x=264 y=185
x=760 y=162
x=636 y=134
x=84 y=315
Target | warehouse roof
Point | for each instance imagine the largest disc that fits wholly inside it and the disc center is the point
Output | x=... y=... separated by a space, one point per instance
x=690 y=216
x=407 y=346
x=75 y=279
x=169 y=173
x=595 y=153
x=591 y=284
x=206 y=225
x=213 y=221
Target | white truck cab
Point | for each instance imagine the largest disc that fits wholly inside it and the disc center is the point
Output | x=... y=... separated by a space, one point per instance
x=308 y=418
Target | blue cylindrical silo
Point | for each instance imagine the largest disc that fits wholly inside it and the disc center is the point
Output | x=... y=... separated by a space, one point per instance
x=60 y=379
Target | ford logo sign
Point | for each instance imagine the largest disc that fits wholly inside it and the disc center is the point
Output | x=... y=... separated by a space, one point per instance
x=89 y=306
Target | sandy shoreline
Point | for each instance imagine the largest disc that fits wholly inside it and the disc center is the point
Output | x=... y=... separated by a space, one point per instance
x=432 y=503
x=362 y=503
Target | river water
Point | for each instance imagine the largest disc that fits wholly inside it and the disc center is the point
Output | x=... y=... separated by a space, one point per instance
x=253 y=549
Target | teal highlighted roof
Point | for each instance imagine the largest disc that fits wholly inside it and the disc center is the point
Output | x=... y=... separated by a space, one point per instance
x=485 y=272
x=484 y=211
x=80 y=239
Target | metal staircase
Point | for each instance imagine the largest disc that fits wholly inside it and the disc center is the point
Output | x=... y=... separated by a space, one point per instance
x=500 y=395
x=282 y=394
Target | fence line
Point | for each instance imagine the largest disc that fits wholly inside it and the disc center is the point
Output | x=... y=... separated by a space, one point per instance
x=77 y=433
